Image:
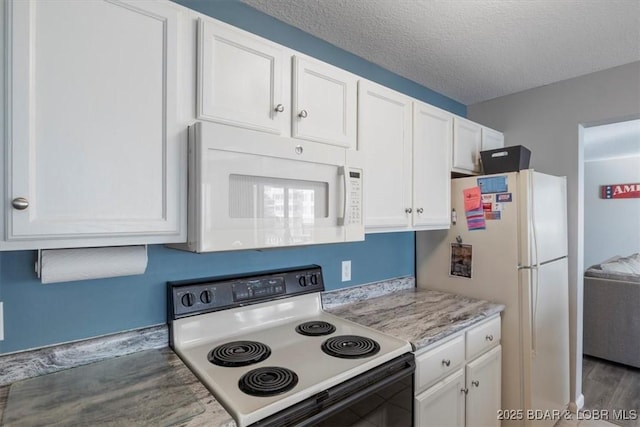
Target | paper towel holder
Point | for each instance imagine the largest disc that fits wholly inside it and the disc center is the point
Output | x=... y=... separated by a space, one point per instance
x=38 y=263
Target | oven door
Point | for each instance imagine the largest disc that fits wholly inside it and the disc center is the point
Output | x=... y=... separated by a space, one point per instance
x=262 y=191
x=381 y=397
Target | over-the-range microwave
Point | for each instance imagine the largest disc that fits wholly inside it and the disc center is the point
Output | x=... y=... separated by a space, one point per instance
x=249 y=190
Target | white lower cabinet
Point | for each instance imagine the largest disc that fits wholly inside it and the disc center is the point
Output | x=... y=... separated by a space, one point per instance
x=443 y=404
x=483 y=389
x=454 y=387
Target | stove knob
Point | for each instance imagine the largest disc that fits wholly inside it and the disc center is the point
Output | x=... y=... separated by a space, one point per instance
x=313 y=279
x=188 y=299
x=205 y=296
x=302 y=280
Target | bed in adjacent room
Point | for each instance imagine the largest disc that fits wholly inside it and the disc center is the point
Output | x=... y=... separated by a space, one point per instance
x=612 y=310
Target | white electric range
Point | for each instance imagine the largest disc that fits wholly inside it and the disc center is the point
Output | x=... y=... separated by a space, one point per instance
x=266 y=350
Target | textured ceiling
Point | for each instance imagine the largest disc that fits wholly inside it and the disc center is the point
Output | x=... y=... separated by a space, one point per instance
x=474 y=50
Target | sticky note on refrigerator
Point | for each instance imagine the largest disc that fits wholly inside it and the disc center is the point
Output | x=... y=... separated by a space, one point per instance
x=472 y=198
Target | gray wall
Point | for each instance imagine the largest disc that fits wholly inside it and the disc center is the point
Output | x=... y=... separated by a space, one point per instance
x=548 y=120
x=611 y=226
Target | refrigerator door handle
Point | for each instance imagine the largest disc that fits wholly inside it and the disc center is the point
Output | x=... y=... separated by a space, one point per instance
x=534 y=308
x=532 y=289
x=535 y=266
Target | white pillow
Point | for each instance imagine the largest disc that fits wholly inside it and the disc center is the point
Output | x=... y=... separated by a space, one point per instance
x=625 y=265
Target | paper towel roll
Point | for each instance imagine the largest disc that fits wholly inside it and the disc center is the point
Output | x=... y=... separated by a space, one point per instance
x=65 y=265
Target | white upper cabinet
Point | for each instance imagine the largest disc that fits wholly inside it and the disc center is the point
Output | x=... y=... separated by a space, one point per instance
x=95 y=149
x=241 y=79
x=407 y=149
x=491 y=139
x=247 y=81
x=467 y=138
x=324 y=103
x=432 y=140
x=384 y=135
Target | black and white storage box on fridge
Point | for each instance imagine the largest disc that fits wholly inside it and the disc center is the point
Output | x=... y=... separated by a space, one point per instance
x=505 y=159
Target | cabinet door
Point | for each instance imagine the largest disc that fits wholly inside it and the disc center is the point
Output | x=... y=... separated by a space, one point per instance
x=241 y=79
x=384 y=135
x=491 y=139
x=95 y=145
x=466 y=145
x=432 y=139
x=324 y=103
x=442 y=405
x=483 y=378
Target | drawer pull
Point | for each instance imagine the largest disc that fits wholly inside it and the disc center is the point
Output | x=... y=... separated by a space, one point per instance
x=446 y=362
x=475 y=383
x=489 y=337
x=464 y=390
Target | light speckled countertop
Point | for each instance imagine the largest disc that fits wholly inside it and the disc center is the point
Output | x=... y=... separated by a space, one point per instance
x=155 y=388
x=418 y=316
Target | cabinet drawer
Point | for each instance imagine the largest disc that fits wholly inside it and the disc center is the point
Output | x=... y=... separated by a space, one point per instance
x=483 y=337
x=439 y=362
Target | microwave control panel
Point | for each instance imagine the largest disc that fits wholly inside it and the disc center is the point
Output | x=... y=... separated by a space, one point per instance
x=353 y=209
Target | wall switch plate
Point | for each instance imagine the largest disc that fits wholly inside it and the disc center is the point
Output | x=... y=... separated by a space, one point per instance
x=1 y=322
x=346 y=271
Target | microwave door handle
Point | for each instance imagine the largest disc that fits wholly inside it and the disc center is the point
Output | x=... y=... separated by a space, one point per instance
x=343 y=174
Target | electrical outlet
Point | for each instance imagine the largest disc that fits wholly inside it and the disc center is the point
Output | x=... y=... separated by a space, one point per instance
x=346 y=271
x=1 y=322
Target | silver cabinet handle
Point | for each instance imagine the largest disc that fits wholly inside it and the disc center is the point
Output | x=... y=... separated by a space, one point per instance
x=303 y=114
x=408 y=210
x=475 y=383
x=420 y=210
x=20 y=203
x=464 y=390
x=279 y=108
x=299 y=149
x=446 y=362
x=489 y=338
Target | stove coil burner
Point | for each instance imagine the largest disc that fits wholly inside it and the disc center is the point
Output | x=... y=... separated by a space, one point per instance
x=239 y=353
x=268 y=381
x=315 y=328
x=350 y=347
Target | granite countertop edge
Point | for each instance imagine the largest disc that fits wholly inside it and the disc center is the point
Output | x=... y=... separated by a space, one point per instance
x=420 y=316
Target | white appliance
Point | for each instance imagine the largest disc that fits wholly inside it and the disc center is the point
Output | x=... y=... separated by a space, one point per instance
x=519 y=259
x=264 y=347
x=250 y=189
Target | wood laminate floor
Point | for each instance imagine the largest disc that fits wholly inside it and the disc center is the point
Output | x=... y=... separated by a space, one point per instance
x=613 y=387
x=607 y=386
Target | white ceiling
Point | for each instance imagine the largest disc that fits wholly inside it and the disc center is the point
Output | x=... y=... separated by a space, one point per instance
x=612 y=141
x=474 y=50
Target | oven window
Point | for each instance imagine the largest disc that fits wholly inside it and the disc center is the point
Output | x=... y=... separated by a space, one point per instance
x=264 y=197
x=391 y=406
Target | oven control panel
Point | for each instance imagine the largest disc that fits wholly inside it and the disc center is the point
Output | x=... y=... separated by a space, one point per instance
x=190 y=297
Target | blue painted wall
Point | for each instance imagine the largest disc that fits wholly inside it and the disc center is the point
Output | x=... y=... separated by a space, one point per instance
x=36 y=315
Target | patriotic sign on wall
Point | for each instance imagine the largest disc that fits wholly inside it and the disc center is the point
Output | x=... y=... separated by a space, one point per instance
x=620 y=191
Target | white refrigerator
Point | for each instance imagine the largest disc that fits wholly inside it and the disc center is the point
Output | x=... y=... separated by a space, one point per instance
x=512 y=250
